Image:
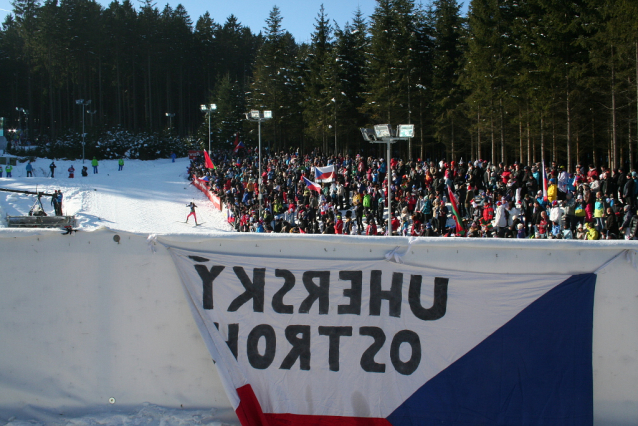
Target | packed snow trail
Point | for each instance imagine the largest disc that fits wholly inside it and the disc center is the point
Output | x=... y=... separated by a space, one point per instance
x=145 y=197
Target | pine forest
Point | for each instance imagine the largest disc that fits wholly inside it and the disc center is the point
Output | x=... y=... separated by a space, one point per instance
x=513 y=80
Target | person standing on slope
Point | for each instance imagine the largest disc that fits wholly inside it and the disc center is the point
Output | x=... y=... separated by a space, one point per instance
x=52 y=166
x=59 y=197
x=71 y=171
x=94 y=163
x=192 y=213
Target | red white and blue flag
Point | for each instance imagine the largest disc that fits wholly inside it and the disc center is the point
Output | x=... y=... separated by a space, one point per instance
x=325 y=174
x=301 y=341
x=544 y=180
x=238 y=144
x=312 y=185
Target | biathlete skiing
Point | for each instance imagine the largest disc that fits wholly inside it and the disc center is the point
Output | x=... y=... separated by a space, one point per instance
x=192 y=213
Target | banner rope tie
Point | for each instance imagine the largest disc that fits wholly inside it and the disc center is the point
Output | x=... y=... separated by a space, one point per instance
x=395 y=256
x=151 y=239
x=630 y=256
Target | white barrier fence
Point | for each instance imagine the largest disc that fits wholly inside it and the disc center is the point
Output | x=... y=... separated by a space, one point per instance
x=86 y=318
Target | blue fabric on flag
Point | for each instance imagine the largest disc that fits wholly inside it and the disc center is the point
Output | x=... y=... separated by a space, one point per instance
x=534 y=370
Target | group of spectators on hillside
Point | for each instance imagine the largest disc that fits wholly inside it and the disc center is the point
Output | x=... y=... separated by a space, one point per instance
x=492 y=200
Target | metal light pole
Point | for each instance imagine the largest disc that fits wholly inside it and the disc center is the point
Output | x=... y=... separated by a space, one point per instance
x=383 y=133
x=170 y=116
x=84 y=104
x=208 y=109
x=91 y=114
x=259 y=116
x=22 y=111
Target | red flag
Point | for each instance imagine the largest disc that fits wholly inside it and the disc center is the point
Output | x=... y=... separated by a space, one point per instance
x=460 y=230
x=208 y=161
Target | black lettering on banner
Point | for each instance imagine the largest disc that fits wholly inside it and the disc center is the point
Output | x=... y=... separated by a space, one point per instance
x=254 y=289
x=367 y=359
x=208 y=276
x=233 y=337
x=300 y=347
x=354 y=292
x=315 y=291
x=439 y=305
x=257 y=360
x=393 y=296
x=334 y=334
x=410 y=366
x=278 y=299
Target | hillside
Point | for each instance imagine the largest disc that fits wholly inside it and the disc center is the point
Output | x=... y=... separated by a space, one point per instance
x=145 y=197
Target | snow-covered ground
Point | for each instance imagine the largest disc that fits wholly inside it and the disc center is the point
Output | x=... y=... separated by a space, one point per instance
x=145 y=197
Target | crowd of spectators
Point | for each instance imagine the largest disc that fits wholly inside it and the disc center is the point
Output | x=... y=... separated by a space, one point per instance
x=493 y=200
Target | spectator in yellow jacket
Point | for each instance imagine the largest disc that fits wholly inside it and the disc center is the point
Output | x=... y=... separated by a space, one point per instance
x=552 y=191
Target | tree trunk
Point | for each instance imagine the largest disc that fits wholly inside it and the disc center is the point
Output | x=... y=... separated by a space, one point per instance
x=99 y=96
x=452 y=158
x=478 y=135
x=529 y=140
x=500 y=106
x=520 y=136
x=52 y=108
x=631 y=159
x=119 y=92
x=542 y=139
x=553 y=137
x=493 y=157
x=569 y=132
x=149 y=97
x=577 y=148
x=614 y=147
x=593 y=138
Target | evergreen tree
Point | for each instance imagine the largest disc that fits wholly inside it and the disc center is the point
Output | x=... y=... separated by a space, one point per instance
x=317 y=80
x=349 y=58
x=229 y=118
x=391 y=56
x=274 y=84
x=447 y=63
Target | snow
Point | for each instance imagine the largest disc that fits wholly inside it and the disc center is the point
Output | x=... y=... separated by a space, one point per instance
x=145 y=197
x=148 y=415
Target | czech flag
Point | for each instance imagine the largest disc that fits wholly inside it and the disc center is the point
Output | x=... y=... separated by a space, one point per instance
x=312 y=185
x=544 y=181
x=238 y=144
x=325 y=174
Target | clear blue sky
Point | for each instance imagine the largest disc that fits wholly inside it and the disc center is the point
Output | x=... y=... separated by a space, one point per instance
x=298 y=15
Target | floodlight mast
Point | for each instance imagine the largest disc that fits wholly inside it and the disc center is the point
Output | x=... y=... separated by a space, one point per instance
x=208 y=109
x=259 y=116
x=383 y=133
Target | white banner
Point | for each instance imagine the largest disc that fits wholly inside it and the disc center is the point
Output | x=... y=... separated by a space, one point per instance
x=344 y=338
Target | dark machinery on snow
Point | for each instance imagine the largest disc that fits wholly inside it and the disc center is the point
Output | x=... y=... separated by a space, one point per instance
x=37 y=217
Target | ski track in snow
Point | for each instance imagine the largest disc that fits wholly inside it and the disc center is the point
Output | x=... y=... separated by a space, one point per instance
x=145 y=197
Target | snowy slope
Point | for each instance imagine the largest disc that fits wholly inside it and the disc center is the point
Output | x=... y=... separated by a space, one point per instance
x=145 y=197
